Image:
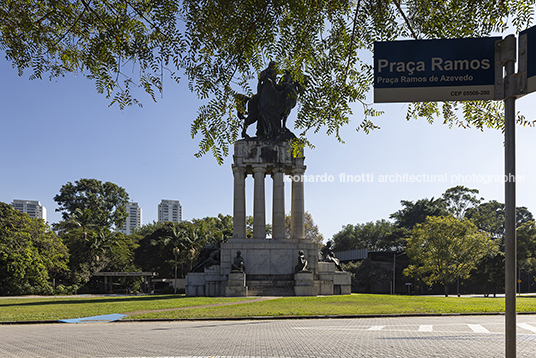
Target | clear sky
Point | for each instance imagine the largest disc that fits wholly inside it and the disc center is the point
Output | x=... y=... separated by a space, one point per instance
x=59 y=131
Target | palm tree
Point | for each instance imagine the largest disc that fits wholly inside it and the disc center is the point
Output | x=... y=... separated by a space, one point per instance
x=82 y=218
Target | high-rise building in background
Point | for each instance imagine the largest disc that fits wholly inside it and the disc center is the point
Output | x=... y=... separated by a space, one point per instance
x=31 y=207
x=170 y=210
x=133 y=219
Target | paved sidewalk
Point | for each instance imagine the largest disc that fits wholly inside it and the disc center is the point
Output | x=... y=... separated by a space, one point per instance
x=407 y=337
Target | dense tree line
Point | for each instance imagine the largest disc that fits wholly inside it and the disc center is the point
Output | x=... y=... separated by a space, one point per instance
x=31 y=254
x=457 y=236
x=37 y=258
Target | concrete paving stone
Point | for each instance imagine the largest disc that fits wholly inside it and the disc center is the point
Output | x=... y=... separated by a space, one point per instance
x=452 y=336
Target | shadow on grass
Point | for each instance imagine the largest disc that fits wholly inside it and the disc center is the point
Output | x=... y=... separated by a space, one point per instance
x=80 y=301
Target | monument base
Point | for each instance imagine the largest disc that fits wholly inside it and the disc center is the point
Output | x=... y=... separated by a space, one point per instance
x=268 y=257
x=269 y=271
x=207 y=283
x=333 y=282
x=236 y=285
x=304 y=284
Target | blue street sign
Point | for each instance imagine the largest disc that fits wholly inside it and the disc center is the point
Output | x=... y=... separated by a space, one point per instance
x=434 y=70
x=531 y=57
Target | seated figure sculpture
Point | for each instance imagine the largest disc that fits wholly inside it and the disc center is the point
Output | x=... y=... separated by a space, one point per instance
x=329 y=256
x=238 y=263
x=302 y=263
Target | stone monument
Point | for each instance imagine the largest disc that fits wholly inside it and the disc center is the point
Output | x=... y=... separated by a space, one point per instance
x=268 y=264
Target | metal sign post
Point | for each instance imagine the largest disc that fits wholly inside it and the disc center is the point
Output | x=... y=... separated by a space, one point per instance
x=507 y=50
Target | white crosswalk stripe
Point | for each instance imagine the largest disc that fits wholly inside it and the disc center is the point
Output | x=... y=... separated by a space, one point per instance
x=376 y=328
x=478 y=328
x=426 y=328
x=527 y=327
x=490 y=328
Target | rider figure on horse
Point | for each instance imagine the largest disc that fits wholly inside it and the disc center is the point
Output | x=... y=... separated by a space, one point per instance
x=271 y=105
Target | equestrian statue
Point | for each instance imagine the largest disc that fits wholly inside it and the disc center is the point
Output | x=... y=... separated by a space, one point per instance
x=271 y=106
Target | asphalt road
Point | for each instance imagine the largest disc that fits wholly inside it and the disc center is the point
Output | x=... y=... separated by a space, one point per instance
x=447 y=336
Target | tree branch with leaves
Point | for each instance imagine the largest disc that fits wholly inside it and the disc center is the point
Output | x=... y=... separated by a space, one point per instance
x=220 y=46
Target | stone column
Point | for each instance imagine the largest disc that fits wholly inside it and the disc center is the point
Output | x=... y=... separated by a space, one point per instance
x=239 y=202
x=259 y=205
x=298 y=204
x=278 y=205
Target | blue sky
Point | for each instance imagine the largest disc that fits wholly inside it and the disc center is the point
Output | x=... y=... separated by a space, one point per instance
x=53 y=132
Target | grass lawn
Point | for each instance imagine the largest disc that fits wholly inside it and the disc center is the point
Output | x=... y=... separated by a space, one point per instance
x=356 y=304
x=54 y=308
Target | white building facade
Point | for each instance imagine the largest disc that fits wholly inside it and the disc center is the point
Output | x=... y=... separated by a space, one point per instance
x=31 y=207
x=170 y=210
x=134 y=218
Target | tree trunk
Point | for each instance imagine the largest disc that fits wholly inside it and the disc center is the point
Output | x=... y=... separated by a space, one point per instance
x=446 y=288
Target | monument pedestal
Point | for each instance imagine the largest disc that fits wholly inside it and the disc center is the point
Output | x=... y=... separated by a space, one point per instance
x=304 y=284
x=236 y=285
x=333 y=282
x=268 y=257
x=270 y=271
x=269 y=263
x=195 y=284
x=207 y=283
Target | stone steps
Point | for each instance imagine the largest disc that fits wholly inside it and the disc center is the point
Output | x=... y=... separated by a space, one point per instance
x=270 y=286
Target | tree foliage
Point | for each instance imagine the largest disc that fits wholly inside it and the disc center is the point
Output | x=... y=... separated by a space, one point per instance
x=312 y=232
x=91 y=210
x=220 y=46
x=459 y=199
x=456 y=201
x=157 y=247
x=526 y=246
x=437 y=234
x=367 y=273
x=30 y=252
x=219 y=228
x=445 y=248
x=489 y=273
x=490 y=217
x=157 y=242
x=100 y=39
x=93 y=249
x=90 y=202
x=416 y=213
x=249 y=227
x=381 y=235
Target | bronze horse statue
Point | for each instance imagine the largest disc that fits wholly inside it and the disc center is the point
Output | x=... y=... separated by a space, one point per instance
x=271 y=106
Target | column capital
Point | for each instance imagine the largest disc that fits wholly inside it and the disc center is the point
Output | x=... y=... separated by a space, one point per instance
x=299 y=170
x=259 y=169
x=276 y=170
x=238 y=168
